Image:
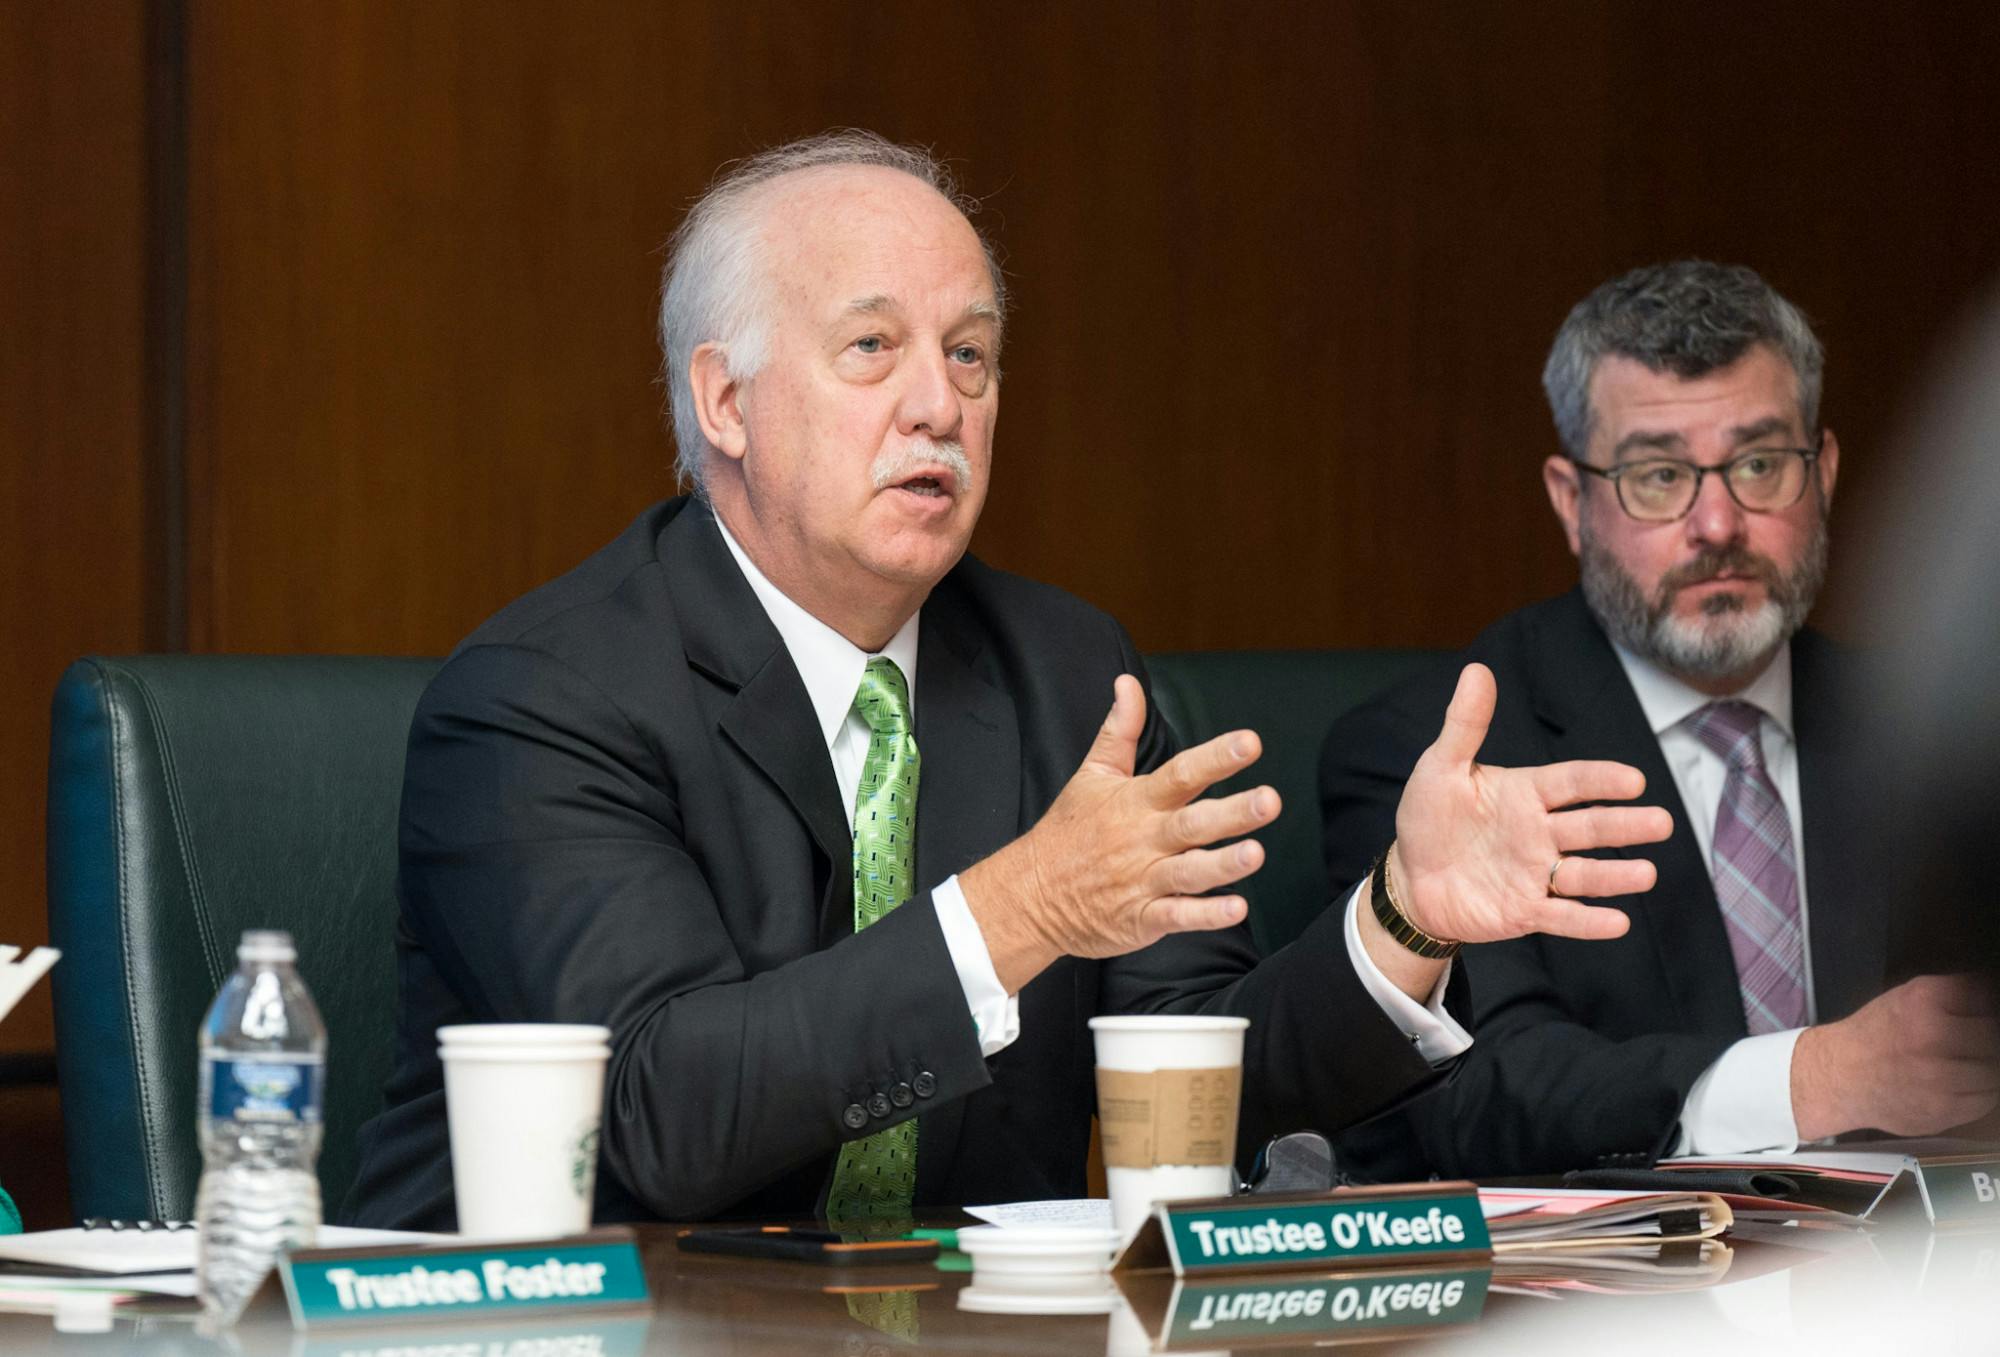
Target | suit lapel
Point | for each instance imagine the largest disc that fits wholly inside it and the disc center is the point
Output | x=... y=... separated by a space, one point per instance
x=1584 y=699
x=1849 y=938
x=968 y=804
x=770 y=718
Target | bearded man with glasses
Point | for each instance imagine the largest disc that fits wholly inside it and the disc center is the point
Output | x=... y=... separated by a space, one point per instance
x=1752 y=1005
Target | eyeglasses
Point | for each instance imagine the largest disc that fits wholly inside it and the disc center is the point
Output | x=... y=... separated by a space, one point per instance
x=1662 y=489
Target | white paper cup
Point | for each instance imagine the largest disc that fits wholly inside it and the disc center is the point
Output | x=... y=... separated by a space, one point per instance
x=1146 y=1045
x=524 y=1102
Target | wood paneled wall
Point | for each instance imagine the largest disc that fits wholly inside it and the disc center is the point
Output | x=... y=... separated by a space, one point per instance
x=78 y=539
x=1285 y=275
x=75 y=538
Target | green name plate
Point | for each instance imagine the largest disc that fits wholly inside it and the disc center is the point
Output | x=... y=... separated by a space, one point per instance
x=1241 y=1312
x=450 y=1280
x=1386 y=1226
x=1961 y=1189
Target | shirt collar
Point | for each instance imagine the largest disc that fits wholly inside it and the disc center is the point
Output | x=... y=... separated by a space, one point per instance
x=830 y=664
x=1667 y=701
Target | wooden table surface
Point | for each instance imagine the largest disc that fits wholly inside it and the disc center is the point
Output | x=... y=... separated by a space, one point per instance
x=1901 y=1292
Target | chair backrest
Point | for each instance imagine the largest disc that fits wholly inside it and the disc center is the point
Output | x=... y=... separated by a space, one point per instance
x=192 y=797
x=1289 y=697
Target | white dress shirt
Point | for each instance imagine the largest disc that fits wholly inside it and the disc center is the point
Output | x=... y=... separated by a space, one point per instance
x=1435 y=1033
x=1743 y=1101
x=832 y=666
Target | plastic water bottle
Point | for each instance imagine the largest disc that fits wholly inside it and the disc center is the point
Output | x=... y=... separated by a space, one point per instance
x=263 y=1083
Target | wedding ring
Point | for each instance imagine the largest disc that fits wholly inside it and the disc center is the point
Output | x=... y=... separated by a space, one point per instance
x=1553 y=868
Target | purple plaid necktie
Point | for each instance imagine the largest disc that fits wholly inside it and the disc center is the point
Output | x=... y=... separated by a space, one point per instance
x=1756 y=870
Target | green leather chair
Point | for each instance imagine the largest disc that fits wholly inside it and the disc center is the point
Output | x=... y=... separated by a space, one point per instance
x=192 y=797
x=1289 y=697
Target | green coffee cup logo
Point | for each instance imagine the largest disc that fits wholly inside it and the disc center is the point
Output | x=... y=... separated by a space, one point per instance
x=583 y=1160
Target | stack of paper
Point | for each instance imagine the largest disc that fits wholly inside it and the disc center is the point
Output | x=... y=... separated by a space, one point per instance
x=38 y=1270
x=1541 y=1218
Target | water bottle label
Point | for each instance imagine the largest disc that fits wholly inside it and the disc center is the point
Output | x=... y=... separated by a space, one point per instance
x=265 y=1090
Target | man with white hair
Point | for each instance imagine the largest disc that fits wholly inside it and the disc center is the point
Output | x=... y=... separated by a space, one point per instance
x=1693 y=486
x=825 y=820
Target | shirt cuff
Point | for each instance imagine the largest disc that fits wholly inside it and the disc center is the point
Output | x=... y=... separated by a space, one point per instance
x=1437 y=1035
x=1743 y=1101
x=996 y=1014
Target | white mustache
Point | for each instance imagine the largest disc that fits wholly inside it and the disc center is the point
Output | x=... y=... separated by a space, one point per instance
x=899 y=464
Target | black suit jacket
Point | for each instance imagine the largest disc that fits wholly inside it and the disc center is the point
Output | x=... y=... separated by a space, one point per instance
x=618 y=808
x=1585 y=1051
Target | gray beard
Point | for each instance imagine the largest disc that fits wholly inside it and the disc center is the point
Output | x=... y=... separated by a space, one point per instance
x=1725 y=640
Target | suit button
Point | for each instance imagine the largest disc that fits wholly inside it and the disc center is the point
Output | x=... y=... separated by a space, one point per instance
x=902 y=1095
x=924 y=1085
x=855 y=1117
x=878 y=1104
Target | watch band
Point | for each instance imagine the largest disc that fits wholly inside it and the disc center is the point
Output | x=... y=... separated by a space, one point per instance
x=1389 y=913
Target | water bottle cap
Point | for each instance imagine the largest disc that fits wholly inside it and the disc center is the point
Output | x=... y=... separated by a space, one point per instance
x=261 y=944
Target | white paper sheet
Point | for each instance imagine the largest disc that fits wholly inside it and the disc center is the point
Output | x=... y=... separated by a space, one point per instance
x=1081 y=1213
x=17 y=1285
x=1495 y=1207
x=123 y=1253
x=1856 y=1161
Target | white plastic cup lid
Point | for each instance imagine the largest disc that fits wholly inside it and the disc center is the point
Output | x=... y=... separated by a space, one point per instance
x=1036 y=1239
x=1168 y=1022
x=522 y=1034
x=525 y=1055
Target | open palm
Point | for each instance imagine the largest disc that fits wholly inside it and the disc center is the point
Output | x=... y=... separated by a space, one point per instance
x=1474 y=844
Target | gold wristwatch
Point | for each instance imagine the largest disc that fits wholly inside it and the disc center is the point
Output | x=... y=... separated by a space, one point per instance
x=1389 y=913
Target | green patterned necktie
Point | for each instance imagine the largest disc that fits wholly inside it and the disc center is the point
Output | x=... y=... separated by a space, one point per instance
x=877 y=1176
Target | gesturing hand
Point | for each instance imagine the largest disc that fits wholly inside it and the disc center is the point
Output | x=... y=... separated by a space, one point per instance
x=1117 y=862
x=1474 y=845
